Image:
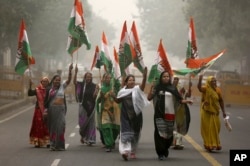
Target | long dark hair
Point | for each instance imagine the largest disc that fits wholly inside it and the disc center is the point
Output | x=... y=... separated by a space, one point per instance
x=52 y=80
x=128 y=76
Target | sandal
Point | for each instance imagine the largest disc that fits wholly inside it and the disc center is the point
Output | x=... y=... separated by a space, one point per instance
x=125 y=156
x=132 y=156
x=82 y=141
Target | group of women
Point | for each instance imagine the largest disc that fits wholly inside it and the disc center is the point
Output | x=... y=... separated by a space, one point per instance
x=48 y=125
x=119 y=112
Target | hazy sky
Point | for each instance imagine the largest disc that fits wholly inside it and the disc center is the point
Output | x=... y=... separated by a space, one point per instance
x=116 y=12
x=119 y=11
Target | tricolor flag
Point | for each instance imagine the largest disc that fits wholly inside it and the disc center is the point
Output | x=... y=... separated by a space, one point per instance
x=105 y=54
x=23 y=57
x=186 y=71
x=77 y=29
x=137 y=53
x=201 y=64
x=192 y=51
x=125 y=54
x=97 y=59
x=161 y=64
x=198 y=63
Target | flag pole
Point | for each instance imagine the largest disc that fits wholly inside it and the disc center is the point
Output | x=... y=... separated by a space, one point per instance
x=100 y=75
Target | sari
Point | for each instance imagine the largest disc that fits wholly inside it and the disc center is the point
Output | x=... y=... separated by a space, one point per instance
x=39 y=134
x=56 y=116
x=109 y=117
x=209 y=113
x=132 y=103
x=86 y=119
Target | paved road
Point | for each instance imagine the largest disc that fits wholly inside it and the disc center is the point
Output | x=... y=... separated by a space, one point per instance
x=15 y=149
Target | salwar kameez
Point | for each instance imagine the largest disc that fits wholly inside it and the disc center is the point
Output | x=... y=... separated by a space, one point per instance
x=109 y=117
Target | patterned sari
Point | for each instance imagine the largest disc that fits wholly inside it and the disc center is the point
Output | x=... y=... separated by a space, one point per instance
x=39 y=134
x=56 y=117
x=86 y=100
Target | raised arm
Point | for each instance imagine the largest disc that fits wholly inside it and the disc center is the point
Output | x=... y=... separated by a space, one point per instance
x=151 y=93
x=75 y=76
x=31 y=92
x=70 y=74
x=143 y=84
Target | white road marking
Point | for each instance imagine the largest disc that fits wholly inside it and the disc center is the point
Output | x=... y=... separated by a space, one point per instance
x=55 y=162
x=239 y=117
x=15 y=115
x=72 y=134
x=66 y=146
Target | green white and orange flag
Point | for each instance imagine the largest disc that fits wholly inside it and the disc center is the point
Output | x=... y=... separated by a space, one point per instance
x=203 y=62
x=161 y=64
x=117 y=72
x=97 y=59
x=192 y=51
x=77 y=29
x=105 y=54
x=201 y=65
x=125 y=54
x=137 y=53
x=24 y=57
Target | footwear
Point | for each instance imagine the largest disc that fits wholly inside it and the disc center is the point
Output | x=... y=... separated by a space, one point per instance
x=161 y=157
x=52 y=149
x=125 y=156
x=60 y=149
x=178 y=147
x=108 y=150
x=132 y=156
x=82 y=141
x=89 y=143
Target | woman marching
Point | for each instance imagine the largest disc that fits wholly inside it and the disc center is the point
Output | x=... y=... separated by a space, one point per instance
x=39 y=134
x=110 y=112
x=86 y=93
x=211 y=103
x=166 y=99
x=55 y=106
x=132 y=101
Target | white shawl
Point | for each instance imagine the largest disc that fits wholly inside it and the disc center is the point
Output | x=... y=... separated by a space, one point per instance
x=138 y=97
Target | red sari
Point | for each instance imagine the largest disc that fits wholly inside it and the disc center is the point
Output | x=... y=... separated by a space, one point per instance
x=39 y=135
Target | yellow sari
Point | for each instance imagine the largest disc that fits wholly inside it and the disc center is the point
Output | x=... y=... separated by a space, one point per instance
x=210 y=121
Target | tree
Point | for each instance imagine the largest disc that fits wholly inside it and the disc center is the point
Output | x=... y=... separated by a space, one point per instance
x=47 y=23
x=222 y=24
x=164 y=19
